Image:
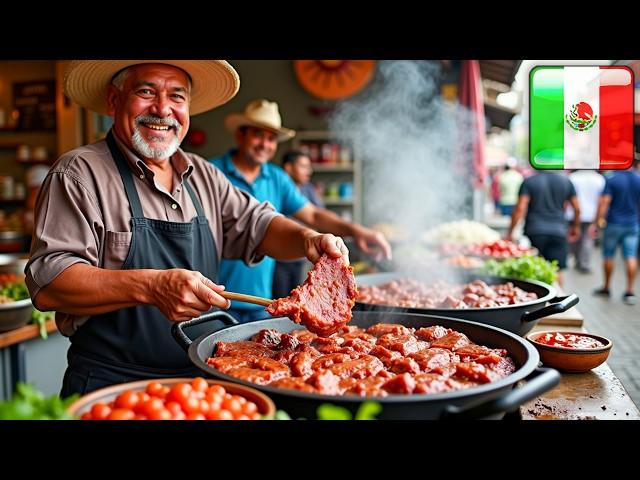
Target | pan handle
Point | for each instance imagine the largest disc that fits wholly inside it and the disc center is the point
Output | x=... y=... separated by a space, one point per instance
x=538 y=382
x=558 y=305
x=177 y=329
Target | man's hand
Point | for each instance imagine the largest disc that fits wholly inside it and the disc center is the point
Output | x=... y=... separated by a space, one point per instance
x=372 y=243
x=183 y=294
x=315 y=244
x=574 y=233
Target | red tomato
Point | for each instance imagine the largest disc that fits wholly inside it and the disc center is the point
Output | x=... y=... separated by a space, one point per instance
x=199 y=384
x=180 y=392
x=100 y=411
x=190 y=405
x=196 y=416
x=86 y=416
x=127 y=399
x=155 y=389
x=161 y=414
x=217 y=389
x=249 y=408
x=173 y=407
x=151 y=407
x=121 y=414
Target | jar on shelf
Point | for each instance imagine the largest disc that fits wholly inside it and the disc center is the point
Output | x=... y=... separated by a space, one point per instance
x=7 y=187
x=345 y=155
x=325 y=153
x=314 y=152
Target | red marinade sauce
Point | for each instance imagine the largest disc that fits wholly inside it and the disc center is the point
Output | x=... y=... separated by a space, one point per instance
x=569 y=340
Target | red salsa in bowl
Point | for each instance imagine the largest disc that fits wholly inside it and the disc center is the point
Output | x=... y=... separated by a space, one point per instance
x=571 y=351
x=569 y=340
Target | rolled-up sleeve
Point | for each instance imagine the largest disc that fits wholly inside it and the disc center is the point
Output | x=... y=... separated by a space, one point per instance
x=67 y=229
x=244 y=221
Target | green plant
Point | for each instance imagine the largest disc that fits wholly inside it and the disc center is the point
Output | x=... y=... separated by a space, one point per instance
x=40 y=319
x=526 y=268
x=28 y=403
x=327 y=411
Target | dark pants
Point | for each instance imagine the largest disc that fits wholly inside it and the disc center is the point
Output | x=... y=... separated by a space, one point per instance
x=551 y=247
x=85 y=374
x=581 y=249
x=286 y=277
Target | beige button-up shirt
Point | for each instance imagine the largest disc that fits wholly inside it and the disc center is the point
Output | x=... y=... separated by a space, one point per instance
x=83 y=215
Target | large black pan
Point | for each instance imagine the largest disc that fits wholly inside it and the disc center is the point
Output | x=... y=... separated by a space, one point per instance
x=491 y=400
x=519 y=318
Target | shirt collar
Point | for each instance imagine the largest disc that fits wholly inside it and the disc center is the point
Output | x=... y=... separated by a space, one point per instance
x=230 y=167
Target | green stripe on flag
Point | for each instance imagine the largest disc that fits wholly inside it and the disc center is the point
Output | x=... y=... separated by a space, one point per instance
x=547 y=117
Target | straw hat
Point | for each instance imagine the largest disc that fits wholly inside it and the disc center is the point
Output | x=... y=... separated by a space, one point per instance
x=261 y=114
x=213 y=82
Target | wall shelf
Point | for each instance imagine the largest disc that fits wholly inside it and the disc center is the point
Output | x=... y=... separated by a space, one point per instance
x=344 y=167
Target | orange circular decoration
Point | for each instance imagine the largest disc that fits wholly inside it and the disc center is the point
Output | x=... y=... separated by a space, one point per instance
x=334 y=79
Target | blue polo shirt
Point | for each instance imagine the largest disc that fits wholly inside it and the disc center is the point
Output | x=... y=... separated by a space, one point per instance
x=276 y=187
x=624 y=188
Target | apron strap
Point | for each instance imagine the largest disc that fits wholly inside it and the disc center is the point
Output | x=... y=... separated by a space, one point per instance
x=194 y=199
x=127 y=177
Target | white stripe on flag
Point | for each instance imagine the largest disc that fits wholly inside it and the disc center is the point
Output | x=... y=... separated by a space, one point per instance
x=582 y=149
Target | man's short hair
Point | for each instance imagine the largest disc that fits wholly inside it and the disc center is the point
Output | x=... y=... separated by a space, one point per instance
x=292 y=156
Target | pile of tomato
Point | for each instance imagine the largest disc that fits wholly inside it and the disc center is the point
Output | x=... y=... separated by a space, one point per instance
x=196 y=400
x=499 y=249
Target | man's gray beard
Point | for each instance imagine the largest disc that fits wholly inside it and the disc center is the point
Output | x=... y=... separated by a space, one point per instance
x=141 y=146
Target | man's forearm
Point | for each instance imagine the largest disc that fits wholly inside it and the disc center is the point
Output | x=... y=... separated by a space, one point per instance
x=285 y=239
x=327 y=221
x=86 y=290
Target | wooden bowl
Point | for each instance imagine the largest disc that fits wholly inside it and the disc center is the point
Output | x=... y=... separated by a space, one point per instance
x=572 y=360
x=265 y=405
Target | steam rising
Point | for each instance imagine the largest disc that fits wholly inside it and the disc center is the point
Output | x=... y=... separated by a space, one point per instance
x=415 y=148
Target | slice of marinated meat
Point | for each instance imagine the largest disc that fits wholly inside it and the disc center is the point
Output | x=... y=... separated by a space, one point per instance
x=453 y=341
x=433 y=358
x=268 y=337
x=239 y=349
x=385 y=328
x=405 y=344
x=429 y=334
x=324 y=301
x=293 y=383
x=403 y=383
x=369 y=387
x=431 y=383
x=326 y=383
x=476 y=372
x=257 y=376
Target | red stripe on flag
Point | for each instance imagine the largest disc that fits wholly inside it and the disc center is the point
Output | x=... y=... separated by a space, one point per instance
x=616 y=118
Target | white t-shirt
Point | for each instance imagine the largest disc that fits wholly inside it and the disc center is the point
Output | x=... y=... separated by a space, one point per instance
x=589 y=184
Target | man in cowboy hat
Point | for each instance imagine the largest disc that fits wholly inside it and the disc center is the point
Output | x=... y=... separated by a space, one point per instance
x=257 y=131
x=129 y=231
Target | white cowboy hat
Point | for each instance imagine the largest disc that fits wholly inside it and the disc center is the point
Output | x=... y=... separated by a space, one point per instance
x=261 y=114
x=213 y=82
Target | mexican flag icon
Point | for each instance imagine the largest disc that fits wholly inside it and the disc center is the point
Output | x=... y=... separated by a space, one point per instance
x=581 y=117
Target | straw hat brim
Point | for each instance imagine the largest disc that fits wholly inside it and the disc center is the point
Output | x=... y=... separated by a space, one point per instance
x=213 y=82
x=233 y=121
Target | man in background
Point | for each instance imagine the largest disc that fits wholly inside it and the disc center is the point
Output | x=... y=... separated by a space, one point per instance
x=618 y=216
x=509 y=183
x=589 y=184
x=542 y=199
x=257 y=132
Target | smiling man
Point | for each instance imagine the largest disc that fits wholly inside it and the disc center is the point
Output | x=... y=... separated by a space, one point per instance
x=129 y=231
